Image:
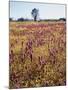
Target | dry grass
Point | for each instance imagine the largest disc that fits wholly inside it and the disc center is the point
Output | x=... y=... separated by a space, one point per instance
x=37 y=54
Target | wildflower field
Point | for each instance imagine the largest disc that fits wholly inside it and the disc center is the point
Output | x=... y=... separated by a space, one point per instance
x=37 y=54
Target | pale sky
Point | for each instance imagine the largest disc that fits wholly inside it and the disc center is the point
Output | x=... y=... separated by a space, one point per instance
x=46 y=11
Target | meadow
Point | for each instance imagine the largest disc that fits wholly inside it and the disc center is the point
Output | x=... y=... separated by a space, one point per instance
x=37 y=54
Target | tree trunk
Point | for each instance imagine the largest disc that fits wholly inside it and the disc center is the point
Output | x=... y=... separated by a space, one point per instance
x=35 y=18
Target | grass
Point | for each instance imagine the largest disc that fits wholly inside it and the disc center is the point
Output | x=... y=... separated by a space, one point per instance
x=48 y=49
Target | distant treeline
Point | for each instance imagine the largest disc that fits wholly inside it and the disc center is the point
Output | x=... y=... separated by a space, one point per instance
x=23 y=19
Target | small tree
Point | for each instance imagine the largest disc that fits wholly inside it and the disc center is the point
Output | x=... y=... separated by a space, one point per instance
x=10 y=19
x=20 y=19
x=63 y=19
x=34 y=13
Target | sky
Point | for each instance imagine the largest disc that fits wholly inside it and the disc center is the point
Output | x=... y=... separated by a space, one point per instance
x=20 y=9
